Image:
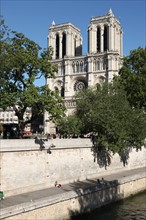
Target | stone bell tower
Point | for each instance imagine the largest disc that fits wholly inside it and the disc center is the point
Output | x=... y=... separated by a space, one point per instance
x=65 y=39
x=105 y=34
x=105 y=44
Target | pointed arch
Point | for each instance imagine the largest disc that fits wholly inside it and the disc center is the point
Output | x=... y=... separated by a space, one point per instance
x=57 y=46
x=62 y=91
x=73 y=67
x=63 y=45
x=98 y=39
x=77 y=67
x=106 y=36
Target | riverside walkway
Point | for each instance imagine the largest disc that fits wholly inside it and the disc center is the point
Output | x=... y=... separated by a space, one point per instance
x=17 y=204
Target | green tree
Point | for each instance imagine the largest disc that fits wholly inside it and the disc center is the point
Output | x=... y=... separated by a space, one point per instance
x=69 y=125
x=106 y=112
x=22 y=62
x=133 y=77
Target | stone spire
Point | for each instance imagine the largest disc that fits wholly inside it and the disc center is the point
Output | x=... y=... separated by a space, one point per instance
x=53 y=23
x=110 y=13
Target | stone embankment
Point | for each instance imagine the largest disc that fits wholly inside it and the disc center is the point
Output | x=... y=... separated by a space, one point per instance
x=29 y=169
x=74 y=198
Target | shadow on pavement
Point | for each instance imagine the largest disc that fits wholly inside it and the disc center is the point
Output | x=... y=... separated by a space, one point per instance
x=93 y=194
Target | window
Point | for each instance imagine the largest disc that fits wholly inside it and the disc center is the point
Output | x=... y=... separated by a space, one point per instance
x=96 y=65
x=105 y=38
x=85 y=66
x=81 y=67
x=57 y=46
x=73 y=67
x=104 y=64
x=77 y=65
x=98 y=39
x=64 y=45
x=79 y=85
x=62 y=91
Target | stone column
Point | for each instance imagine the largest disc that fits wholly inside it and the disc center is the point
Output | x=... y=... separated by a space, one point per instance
x=67 y=71
x=53 y=44
x=94 y=40
x=68 y=43
x=121 y=43
x=90 y=40
x=46 y=122
x=90 y=71
x=110 y=37
x=49 y=40
x=114 y=37
x=101 y=38
x=73 y=45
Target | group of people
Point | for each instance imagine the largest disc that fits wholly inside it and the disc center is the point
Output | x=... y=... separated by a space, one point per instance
x=57 y=185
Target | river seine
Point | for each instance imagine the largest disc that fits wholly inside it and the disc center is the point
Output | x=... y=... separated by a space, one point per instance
x=133 y=208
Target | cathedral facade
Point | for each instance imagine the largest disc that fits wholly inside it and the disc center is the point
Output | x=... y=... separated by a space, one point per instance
x=76 y=71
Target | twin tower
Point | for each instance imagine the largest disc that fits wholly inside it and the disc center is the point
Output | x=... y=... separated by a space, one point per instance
x=76 y=71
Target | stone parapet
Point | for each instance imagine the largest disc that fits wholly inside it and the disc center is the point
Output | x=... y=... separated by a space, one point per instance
x=28 y=164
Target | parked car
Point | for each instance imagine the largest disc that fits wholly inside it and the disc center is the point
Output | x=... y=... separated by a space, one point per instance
x=27 y=132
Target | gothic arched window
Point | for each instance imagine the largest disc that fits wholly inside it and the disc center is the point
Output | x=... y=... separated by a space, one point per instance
x=64 y=45
x=105 y=38
x=62 y=91
x=73 y=67
x=77 y=67
x=57 y=46
x=98 y=40
x=104 y=64
x=81 y=67
x=85 y=66
x=96 y=65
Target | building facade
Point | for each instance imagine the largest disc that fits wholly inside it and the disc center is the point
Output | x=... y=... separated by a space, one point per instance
x=9 y=121
x=76 y=71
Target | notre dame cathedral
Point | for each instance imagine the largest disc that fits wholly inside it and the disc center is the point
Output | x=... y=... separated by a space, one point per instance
x=76 y=71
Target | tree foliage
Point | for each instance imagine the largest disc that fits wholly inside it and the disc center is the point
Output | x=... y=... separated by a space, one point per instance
x=69 y=125
x=105 y=112
x=133 y=77
x=22 y=62
x=111 y=118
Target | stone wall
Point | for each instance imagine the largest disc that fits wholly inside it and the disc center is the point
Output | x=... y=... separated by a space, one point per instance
x=25 y=167
x=71 y=203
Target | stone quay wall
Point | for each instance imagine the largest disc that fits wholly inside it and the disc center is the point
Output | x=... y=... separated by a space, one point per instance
x=72 y=203
x=27 y=165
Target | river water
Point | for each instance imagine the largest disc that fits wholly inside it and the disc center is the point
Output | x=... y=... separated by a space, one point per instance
x=133 y=208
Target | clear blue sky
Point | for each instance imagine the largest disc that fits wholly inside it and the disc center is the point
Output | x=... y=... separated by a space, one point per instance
x=33 y=18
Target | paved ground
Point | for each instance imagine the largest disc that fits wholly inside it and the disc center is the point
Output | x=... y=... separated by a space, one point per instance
x=33 y=196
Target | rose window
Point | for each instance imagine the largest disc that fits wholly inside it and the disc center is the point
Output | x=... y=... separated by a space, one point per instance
x=79 y=85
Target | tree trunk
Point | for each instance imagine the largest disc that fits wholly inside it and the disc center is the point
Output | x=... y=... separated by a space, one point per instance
x=21 y=126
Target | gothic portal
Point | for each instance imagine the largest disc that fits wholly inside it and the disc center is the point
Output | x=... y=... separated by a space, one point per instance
x=76 y=71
